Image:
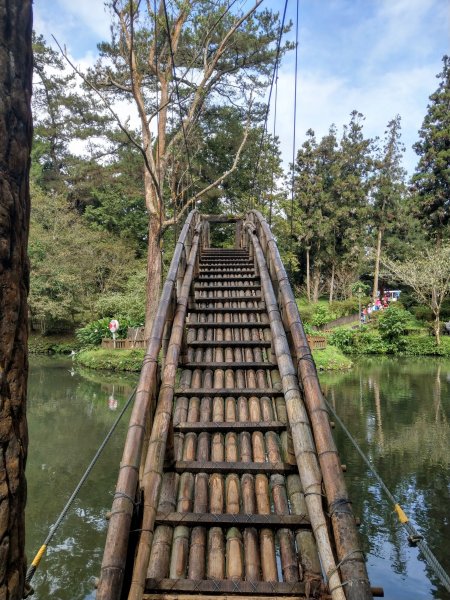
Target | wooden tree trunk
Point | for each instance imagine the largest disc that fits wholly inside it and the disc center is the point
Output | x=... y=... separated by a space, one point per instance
x=316 y=285
x=154 y=273
x=377 y=264
x=15 y=144
x=308 y=277
x=332 y=283
x=437 y=327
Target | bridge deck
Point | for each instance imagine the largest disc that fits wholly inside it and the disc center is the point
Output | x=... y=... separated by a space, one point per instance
x=231 y=497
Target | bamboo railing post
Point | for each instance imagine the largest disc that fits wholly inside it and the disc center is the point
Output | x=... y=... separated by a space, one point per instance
x=350 y=555
x=115 y=553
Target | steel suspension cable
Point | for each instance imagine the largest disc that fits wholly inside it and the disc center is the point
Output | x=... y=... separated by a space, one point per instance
x=414 y=537
x=274 y=132
x=275 y=70
x=295 y=121
x=177 y=91
x=37 y=559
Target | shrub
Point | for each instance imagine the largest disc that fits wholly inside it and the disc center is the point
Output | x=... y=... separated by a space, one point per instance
x=343 y=338
x=306 y=313
x=321 y=315
x=367 y=341
x=424 y=345
x=112 y=360
x=350 y=306
x=392 y=324
x=309 y=329
x=93 y=333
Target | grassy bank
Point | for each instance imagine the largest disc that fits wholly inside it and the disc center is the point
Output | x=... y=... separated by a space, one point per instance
x=331 y=359
x=111 y=360
x=52 y=344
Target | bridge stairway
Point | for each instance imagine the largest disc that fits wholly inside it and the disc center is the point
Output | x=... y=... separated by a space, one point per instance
x=232 y=517
x=233 y=497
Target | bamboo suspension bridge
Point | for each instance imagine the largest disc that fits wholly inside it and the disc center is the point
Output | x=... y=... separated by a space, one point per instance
x=230 y=483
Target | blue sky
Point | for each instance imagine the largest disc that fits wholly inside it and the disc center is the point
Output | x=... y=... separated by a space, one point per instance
x=380 y=57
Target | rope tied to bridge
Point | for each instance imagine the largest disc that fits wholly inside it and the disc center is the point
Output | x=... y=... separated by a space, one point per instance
x=53 y=529
x=414 y=537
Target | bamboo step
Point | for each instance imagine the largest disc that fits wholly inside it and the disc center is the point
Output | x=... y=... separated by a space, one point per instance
x=230 y=344
x=224 y=586
x=229 y=365
x=253 y=468
x=227 y=278
x=225 y=392
x=249 y=324
x=243 y=309
x=236 y=286
x=226 y=298
x=233 y=520
x=225 y=426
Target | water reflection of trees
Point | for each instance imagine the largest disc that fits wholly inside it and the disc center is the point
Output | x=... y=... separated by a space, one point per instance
x=68 y=418
x=399 y=411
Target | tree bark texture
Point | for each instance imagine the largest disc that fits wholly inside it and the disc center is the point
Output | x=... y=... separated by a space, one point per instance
x=332 y=283
x=15 y=144
x=154 y=273
x=308 y=280
x=377 y=265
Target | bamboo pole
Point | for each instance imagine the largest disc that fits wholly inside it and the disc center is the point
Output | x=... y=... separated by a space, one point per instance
x=163 y=416
x=305 y=451
x=348 y=546
x=115 y=553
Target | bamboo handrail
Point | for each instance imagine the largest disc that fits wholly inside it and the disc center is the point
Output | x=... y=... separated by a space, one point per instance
x=305 y=452
x=350 y=555
x=154 y=462
x=115 y=554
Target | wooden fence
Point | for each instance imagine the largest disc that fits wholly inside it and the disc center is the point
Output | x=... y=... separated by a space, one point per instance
x=123 y=344
x=317 y=342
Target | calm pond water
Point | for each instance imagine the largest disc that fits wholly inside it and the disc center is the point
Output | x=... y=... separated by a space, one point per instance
x=398 y=410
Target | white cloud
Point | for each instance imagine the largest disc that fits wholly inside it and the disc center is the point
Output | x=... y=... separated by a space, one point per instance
x=324 y=100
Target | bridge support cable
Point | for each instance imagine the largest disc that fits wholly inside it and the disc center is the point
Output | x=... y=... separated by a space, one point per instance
x=54 y=528
x=413 y=535
x=274 y=72
x=294 y=148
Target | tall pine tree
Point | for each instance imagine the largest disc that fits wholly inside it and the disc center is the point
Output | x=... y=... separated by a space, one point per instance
x=432 y=177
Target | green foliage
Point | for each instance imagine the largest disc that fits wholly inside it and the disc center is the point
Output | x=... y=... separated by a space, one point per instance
x=425 y=345
x=71 y=265
x=392 y=323
x=40 y=344
x=432 y=178
x=112 y=360
x=128 y=304
x=342 y=338
x=331 y=359
x=367 y=341
x=93 y=333
x=350 y=306
x=321 y=315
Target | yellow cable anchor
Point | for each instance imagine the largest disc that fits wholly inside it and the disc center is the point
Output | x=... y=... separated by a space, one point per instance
x=401 y=514
x=39 y=555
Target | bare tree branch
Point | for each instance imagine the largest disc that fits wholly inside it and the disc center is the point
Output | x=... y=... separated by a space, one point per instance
x=215 y=183
x=108 y=106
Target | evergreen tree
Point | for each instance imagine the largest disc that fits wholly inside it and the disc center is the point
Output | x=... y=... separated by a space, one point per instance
x=350 y=191
x=388 y=188
x=150 y=61
x=432 y=177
